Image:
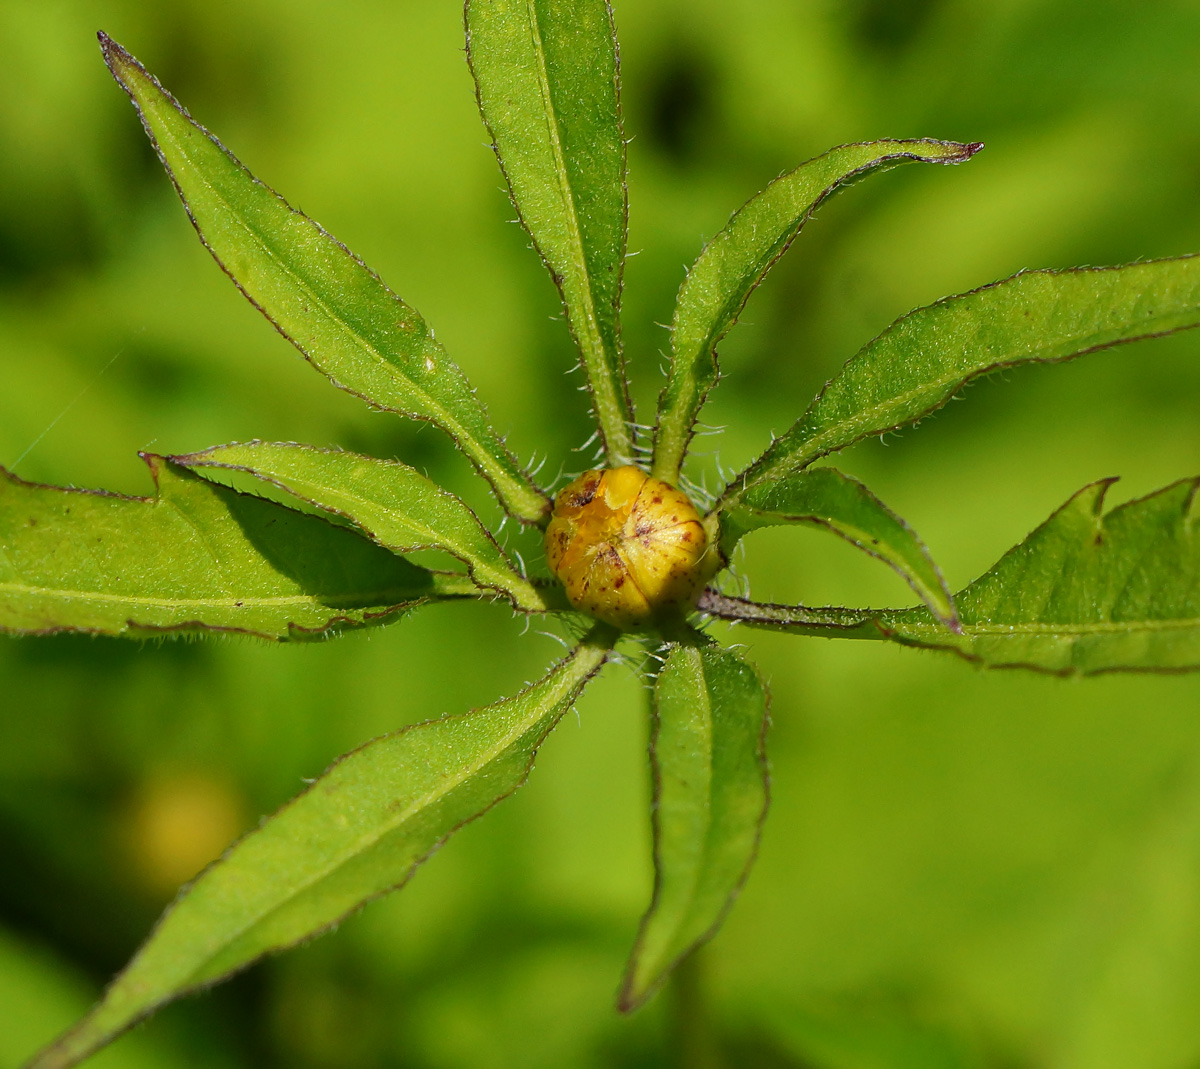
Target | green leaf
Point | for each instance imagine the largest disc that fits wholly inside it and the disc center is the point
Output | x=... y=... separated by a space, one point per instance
x=824 y=497
x=359 y=831
x=710 y=799
x=391 y=503
x=734 y=263
x=1085 y=592
x=196 y=557
x=547 y=82
x=925 y=357
x=317 y=293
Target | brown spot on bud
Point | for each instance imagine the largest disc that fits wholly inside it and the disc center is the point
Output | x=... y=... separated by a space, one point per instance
x=627 y=547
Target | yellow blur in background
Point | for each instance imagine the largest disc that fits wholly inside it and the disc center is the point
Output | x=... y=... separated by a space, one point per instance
x=176 y=824
x=960 y=870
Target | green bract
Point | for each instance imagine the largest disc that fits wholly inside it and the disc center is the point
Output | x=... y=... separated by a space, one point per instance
x=1087 y=592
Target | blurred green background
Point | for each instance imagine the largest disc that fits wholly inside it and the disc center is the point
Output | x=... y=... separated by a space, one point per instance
x=960 y=870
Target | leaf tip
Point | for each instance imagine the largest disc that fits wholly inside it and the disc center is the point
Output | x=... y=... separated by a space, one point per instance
x=632 y=996
x=1094 y=496
x=956 y=151
x=115 y=56
x=1191 y=504
x=155 y=462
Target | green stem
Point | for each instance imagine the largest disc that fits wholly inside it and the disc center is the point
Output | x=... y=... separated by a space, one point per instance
x=829 y=622
x=692 y=1039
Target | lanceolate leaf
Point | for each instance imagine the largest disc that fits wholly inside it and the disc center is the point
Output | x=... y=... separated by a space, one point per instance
x=196 y=557
x=925 y=357
x=546 y=78
x=393 y=504
x=824 y=497
x=357 y=832
x=1085 y=592
x=710 y=798
x=735 y=261
x=320 y=296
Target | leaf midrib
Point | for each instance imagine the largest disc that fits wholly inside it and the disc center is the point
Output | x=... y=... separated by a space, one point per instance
x=501 y=576
x=703 y=701
x=1066 y=630
x=595 y=352
x=503 y=579
x=377 y=597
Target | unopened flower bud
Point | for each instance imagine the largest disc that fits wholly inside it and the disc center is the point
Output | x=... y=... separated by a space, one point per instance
x=627 y=547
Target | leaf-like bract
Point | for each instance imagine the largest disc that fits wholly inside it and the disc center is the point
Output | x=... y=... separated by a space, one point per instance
x=546 y=79
x=359 y=831
x=925 y=357
x=392 y=504
x=824 y=497
x=318 y=295
x=196 y=557
x=710 y=799
x=1085 y=592
x=735 y=262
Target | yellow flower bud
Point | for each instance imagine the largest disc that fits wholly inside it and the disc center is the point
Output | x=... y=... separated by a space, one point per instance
x=627 y=547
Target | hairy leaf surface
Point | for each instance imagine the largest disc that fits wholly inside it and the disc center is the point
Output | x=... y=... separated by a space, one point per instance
x=359 y=831
x=196 y=557
x=317 y=293
x=735 y=262
x=710 y=799
x=925 y=357
x=546 y=78
x=393 y=504
x=824 y=497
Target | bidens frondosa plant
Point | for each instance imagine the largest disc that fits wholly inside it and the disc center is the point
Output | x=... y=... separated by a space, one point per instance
x=631 y=558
